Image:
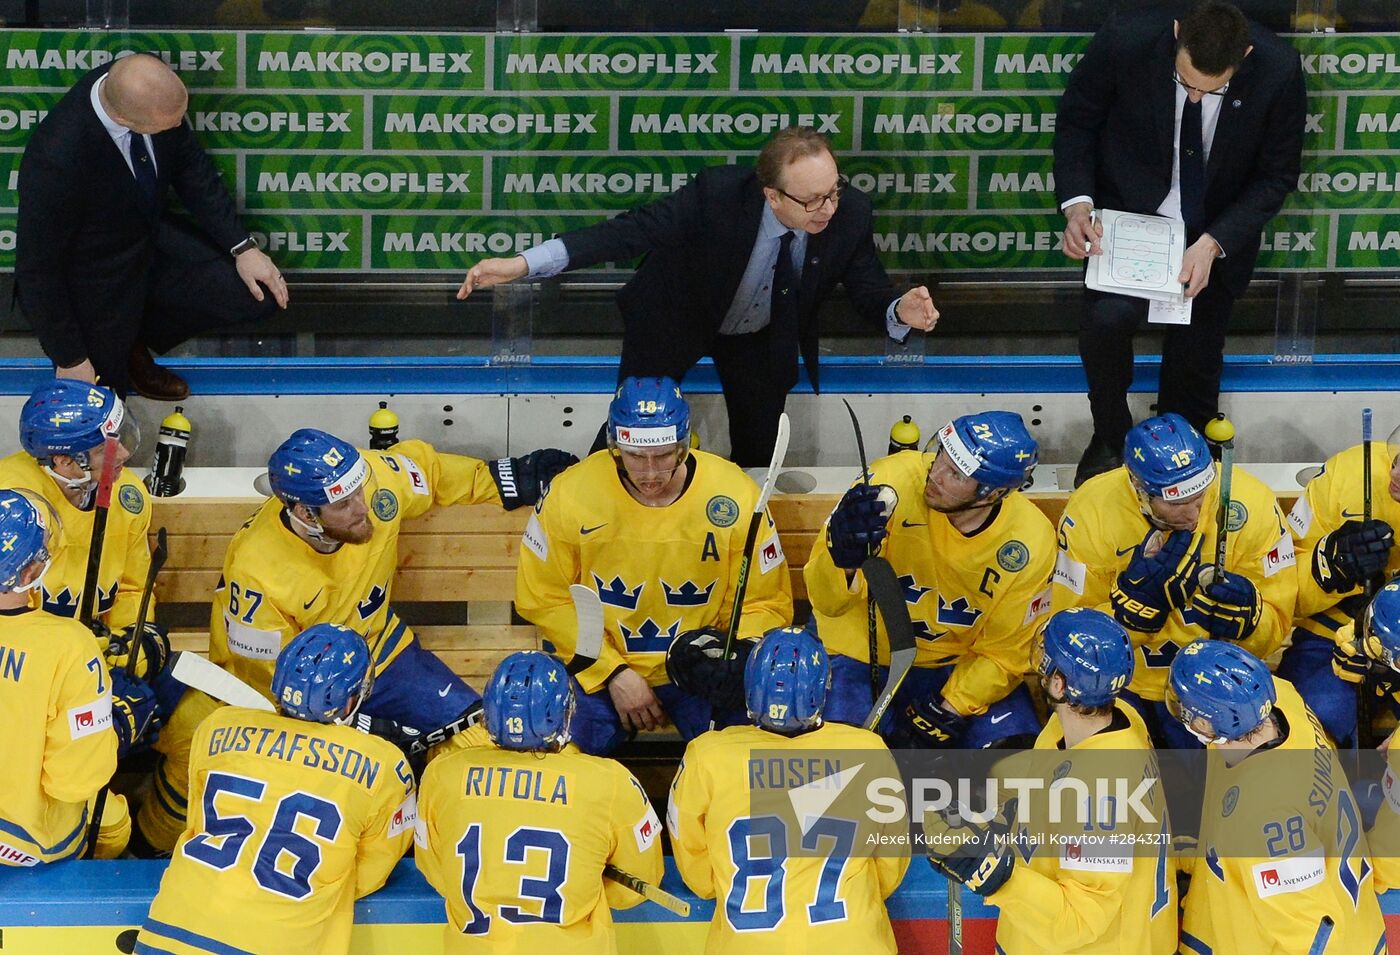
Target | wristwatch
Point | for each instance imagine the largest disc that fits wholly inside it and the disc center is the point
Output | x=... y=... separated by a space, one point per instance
x=247 y=245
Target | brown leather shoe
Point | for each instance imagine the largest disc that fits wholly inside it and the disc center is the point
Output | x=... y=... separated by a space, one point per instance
x=153 y=381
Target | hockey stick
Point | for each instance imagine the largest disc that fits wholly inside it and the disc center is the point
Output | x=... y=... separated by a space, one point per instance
x=1365 y=717
x=132 y=654
x=87 y=604
x=888 y=596
x=870 y=634
x=955 y=919
x=652 y=893
x=198 y=673
x=158 y=556
x=1221 y=432
x=755 y=522
x=588 y=608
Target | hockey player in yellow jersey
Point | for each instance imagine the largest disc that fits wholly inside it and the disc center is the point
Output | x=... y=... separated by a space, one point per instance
x=974 y=556
x=1137 y=542
x=780 y=885
x=515 y=835
x=294 y=816
x=66 y=720
x=1283 y=864
x=324 y=549
x=1376 y=658
x=1338 y=553
x=1058 y=893
x=62 y=429
x=659 y=530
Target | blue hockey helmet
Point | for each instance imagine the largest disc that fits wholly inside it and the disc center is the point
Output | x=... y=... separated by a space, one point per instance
x=324 y=674
x=529 y=702
x=1168 y=458
x=315 y=468
x=993 y=447
x=29 y=530
x=71 y=417
x=648 y=413
x=1090 y=650
x=1219 y=691
x=786 y=679
x=1383 y=626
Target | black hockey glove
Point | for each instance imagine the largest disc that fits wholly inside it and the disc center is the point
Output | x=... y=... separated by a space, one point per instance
x=695 y=662
x=857 y=526
x=1352 y=554
x=521 y=481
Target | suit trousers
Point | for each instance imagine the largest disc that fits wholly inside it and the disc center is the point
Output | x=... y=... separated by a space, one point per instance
x=755 y=380
x=1192 y=359
x=192 y=288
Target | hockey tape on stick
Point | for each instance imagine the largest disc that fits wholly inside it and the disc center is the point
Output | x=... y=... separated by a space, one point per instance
x=198 y=673
x=888 y=597
x=652 y=893
x=588 y=610
x=756 y=521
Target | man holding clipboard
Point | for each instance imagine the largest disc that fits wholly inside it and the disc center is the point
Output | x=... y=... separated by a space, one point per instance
x=1198 y=120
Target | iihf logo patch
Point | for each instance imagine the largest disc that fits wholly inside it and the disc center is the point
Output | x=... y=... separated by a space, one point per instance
x=722 y=511
x=385 y=504
x=130 y=498
x=1013 y=556
x=1237 y=516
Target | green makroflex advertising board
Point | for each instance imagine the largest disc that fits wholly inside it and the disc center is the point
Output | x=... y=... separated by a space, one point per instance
x=387 y=151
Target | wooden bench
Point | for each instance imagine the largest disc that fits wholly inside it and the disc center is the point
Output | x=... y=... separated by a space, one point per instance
x=453 y=554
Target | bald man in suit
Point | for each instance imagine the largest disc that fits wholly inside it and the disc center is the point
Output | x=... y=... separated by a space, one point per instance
x=103 y=272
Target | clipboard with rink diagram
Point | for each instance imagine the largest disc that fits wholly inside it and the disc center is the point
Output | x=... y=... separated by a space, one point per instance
x=1141 y=257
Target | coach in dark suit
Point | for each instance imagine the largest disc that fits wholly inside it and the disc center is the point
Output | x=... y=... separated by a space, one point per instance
x=1200 y=120
x=737 y=262
x=101 y=272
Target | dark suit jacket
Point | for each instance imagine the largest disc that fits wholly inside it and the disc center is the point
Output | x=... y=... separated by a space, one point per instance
x=85 y=241
x=697 y=243
x=1116 y=122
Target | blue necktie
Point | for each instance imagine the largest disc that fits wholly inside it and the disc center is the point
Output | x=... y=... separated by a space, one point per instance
x=782 y=312
x=143 y=169
x=1192 y=160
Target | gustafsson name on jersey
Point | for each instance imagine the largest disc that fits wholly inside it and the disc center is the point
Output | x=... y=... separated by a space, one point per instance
x=313 y=752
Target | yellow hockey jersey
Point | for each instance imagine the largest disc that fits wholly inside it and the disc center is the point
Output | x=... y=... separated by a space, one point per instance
x=1384 y=835
x=1331 y=499
x=974 y=600
x=58 y=746
x=774 y=892
x=1103 y=522
x=274 y=585
x=126 y=555
x=1284 y=862
x=1112 y=892
x=516 y=842
x=290 y=822
x=659 y=570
